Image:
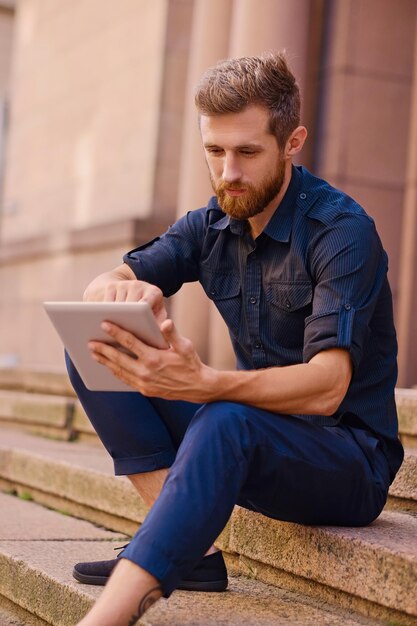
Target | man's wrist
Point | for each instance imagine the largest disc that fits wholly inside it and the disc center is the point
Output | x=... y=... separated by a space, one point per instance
x=211 y=384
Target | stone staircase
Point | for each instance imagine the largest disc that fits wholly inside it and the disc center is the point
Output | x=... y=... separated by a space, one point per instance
x=50 y=456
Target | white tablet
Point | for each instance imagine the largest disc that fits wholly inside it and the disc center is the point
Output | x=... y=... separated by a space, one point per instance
x=77 y=323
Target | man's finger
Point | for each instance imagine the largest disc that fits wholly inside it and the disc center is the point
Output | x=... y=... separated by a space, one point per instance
x=176 y=341
x=114 y=366
x=125 y=338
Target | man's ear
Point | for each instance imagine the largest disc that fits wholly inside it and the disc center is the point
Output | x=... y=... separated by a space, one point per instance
x=295 y=141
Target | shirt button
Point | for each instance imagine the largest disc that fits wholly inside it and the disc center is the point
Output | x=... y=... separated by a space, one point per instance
x=348 y=307
x=258 y=345
x=213 y=292
x=253 y=300
x=303 y=196
x=288 y=304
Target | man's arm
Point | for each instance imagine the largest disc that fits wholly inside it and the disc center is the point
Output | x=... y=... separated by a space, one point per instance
x=121 y=285
x=317 y=387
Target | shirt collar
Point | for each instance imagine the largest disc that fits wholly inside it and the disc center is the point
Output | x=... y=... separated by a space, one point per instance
x=280 y=225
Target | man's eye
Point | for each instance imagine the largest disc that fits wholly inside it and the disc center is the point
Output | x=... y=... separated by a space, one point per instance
x=248 y=152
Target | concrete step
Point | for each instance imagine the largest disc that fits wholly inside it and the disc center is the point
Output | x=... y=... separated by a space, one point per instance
x=43 y=403
x=403 y=491
x=36 y=561
x=50 y=415
x=73 y=477
x=36 y=381
x=372 y=570
x=406 y=400
x=43 y=414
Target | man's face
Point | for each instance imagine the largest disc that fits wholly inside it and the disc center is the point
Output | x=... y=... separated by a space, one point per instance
x=246 y=167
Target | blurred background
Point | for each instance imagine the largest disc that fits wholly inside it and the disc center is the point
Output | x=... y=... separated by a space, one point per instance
x=99 y=146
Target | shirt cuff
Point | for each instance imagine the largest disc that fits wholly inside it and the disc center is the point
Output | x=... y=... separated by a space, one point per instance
x=336 y=329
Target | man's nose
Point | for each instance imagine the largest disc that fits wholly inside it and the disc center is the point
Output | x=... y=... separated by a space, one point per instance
x=231 y=169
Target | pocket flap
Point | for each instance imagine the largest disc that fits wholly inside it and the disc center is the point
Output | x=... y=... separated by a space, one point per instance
x=220 y=285
x=289 y=296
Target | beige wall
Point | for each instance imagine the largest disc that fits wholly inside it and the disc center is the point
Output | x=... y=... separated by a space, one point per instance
x=96 y=121
x=104 y=152
x=87 y=82
x=6 y=38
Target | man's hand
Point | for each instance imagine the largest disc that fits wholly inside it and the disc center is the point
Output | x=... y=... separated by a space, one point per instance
x=175 y=374
x=121 y=285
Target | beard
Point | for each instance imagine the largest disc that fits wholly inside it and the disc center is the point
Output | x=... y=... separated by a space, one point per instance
x=256 y=197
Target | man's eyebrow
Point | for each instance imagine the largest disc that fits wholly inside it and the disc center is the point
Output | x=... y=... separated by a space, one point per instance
x=251 y=146
x=243 y=146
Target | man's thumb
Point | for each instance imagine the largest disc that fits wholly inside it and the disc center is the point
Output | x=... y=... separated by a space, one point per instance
x=171 y=334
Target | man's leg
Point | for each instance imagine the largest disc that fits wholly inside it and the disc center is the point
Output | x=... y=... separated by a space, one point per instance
x=279 y=465
x=142 y=436
x=129 y=594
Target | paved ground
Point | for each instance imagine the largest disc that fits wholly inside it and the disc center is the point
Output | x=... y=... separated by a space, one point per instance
x=38 y=548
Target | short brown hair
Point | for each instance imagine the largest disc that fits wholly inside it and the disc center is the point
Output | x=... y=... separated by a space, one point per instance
x=233 y=84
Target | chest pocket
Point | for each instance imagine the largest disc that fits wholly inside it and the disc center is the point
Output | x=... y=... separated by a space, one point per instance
x=289 y=296
x=289 y=303
x=220 y=285
x=224 y=289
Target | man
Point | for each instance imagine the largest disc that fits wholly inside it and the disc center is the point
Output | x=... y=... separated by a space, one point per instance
x=305 y=430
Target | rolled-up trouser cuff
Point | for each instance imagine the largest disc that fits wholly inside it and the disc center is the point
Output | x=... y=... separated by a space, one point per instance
x=142 y=464
x=153 y=559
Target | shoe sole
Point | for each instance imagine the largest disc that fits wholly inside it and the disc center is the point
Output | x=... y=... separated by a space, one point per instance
x=208 y=585
x=185 y=585
x=89 y=580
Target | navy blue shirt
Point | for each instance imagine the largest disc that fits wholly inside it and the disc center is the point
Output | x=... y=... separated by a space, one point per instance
x=314 y=279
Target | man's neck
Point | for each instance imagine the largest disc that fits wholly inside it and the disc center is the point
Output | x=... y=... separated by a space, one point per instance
x=258 y=223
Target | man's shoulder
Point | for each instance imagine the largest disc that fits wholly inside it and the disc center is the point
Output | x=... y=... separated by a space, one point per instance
x=321 y=201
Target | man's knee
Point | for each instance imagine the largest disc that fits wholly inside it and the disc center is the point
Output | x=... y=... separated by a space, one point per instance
x=223 y=419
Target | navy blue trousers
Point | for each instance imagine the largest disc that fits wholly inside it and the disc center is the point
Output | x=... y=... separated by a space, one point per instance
x=225 y=453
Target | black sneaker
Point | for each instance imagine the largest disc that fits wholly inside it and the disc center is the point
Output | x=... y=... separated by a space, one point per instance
x=210 y=574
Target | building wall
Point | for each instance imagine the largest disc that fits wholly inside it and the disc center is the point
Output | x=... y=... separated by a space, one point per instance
x=366 y=80
x=96 y=118
x=85 y=113
x=363 y=139
x=6 y=37
x=103 y=149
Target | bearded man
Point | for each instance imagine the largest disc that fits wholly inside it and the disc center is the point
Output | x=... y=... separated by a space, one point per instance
x=305 y=429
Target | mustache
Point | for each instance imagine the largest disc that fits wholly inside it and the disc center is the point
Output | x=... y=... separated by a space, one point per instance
x=222 y=186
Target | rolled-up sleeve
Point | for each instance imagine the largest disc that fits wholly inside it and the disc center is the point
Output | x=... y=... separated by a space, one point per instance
x=349 y=267
x=172 y=259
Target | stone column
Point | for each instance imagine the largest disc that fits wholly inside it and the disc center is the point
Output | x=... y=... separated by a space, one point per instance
x=258 y=27
x=407 y=299
x=272 y=25
x=209 y=43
